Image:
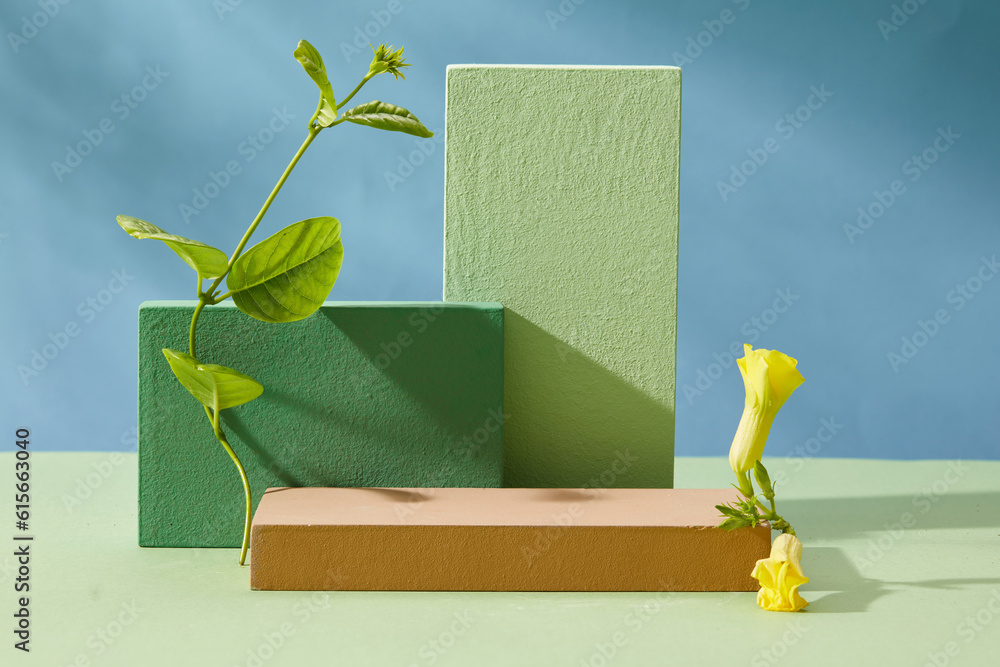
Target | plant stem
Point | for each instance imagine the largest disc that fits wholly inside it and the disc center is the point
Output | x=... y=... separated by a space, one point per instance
x=194 y=322
x=356 y=89
x=214 y=418
x=313 y=131
x=777 y=522
x=246 y=237
x=267 y=204
x=205 y=297
x=746 y=486
x=770 y=514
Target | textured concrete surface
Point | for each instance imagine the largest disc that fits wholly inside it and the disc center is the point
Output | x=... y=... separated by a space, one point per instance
x=374 y=394
x=561 y=202
x=501 y=540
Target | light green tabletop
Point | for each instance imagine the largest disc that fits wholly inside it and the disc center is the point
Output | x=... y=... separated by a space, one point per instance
x=881 y=593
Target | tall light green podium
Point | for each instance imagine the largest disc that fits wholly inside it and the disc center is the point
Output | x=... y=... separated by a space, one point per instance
x=561 y=203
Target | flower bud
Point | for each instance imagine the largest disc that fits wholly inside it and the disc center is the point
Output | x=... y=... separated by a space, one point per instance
x=769 y=378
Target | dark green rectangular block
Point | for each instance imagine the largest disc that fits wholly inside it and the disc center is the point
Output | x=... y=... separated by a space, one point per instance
x=358 y=394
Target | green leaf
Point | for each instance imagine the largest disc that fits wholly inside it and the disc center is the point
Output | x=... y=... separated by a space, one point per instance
x=216 y=387
x=728 y=511
x=385 y=116
x=763 y=479
x=732 y=523
x=209 y=262
x=288 y=276
x=312 y=63
x=326 y=114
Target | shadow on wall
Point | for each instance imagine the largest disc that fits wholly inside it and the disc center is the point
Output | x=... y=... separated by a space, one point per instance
x=586 y=427
x=447 y=360
x=276 y=459
x=333 y=413
x=441 y=356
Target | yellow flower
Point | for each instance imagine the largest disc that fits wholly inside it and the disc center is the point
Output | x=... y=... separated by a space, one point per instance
x=780 y=576
x=770 y=377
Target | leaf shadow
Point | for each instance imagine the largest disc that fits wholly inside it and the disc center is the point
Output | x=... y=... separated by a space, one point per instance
x=275 y=467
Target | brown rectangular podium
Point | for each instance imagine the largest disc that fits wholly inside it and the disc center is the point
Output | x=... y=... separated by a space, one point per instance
x=500 y=539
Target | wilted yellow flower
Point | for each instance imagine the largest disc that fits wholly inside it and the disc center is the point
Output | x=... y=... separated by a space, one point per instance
x=387 y=60
x=780 y=576
x=770 y=377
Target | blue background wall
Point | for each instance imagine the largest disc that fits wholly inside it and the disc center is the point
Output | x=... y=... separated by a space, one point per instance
x=887 y=92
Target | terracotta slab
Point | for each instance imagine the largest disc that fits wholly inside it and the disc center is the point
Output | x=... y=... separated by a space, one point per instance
x=490 y=539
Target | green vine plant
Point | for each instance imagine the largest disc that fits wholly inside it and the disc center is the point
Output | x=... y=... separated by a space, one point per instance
x=289 y=275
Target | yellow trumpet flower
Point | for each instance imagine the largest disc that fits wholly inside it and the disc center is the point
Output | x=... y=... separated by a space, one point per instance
x=770 y=377
x=780 y=576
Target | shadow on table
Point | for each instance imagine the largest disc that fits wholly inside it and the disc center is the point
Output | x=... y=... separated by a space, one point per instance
x=830 y=568
x=878 y=516
x=834 y=518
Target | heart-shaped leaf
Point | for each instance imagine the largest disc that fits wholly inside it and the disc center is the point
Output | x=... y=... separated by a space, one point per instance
x=312 y=63
x=288 y=276
x=385 y=116
x=216 y=387
x=209 y=262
